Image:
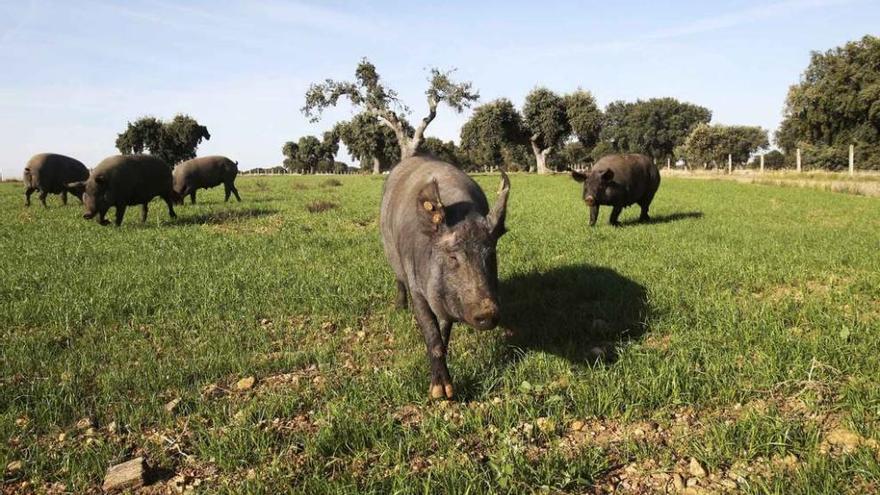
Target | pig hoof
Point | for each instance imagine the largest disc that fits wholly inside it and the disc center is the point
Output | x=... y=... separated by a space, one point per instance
x=441 y=392
x=105 y=222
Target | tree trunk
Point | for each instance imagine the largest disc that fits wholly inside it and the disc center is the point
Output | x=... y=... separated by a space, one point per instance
x=540 y=157
x=377 y=169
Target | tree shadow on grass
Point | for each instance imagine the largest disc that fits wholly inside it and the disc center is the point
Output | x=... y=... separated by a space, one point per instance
x=673 y=217
x=224 y=216
x=577 y=312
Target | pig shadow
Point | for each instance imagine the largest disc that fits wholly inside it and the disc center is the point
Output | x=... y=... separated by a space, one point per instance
x=659 y=219
x=224 y=216
x=579 y=312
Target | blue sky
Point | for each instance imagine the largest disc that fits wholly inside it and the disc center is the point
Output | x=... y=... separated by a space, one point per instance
x=75 y=72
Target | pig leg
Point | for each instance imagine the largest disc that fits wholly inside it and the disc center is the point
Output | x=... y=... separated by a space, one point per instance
x=615 y=212
x=400 y=301
x=594 y=214
x=101 y=219
x=27 y=195
x=64 y=198
x=192 y=197
x=43 y=195
x=170 y=203
x=227 y=191
x=441 y=383
x=645 y=204
x=120 y=213
x=235 y=192
x=144 y=213
x=445 y=332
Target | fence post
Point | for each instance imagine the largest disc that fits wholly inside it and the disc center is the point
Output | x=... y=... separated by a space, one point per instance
x=799 y=160
x=729 y=163
x=762 y=163
x=852 y=168
x=668 y=164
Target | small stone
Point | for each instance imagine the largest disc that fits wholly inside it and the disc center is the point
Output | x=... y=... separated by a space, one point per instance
x=729 y=484
x=246 y=383
x=126 y=476
x=14 y=467
x=22 y=421
x=546 y=425
x=696 y=469
x=845 y=440
x=677 y=482
x=62 y=437
x=85 y=423
x=90 y=432
x=112 y=427
x=577 y=425
x=172 y=405
x=691 y=482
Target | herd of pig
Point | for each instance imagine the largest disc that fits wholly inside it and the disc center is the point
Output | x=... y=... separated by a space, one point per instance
x=437 y=229
x=126 y=180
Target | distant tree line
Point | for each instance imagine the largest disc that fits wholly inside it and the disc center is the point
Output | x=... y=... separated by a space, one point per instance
x=835 y=104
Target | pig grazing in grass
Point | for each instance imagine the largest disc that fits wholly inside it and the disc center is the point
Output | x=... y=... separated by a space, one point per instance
x=125 y=180
x=440 y=236
x=619 y=181
x=203 y=173
x=50 y=173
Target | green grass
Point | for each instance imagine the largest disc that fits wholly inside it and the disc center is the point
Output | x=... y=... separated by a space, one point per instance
x=740 y=328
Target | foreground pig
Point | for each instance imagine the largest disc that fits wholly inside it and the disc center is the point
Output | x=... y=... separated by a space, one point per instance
x=619 y=181
x=125 y=180
x=203 y=173
x=50 y=173
x=439 y=236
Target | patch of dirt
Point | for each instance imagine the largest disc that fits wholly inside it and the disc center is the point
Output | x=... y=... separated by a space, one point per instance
x=319 y=206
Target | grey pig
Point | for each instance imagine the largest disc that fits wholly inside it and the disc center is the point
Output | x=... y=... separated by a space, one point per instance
x=440 y=236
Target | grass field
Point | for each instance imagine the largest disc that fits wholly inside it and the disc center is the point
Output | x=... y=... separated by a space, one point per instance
x=731 y=345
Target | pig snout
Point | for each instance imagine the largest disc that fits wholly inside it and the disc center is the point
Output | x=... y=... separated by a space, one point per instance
x=486 y=315
x=590 y=200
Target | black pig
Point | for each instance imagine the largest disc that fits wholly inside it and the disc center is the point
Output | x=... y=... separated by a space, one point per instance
x=203 y=173
x=619 y=181
x=125 y=180
x=50 y=173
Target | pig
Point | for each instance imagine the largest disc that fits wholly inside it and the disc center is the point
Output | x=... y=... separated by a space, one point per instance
x=203 y=173
x=440 y=236
x=619 y=181
x=125 y=180
x=50 y=173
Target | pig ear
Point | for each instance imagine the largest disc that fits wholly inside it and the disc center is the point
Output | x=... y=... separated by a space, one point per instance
x=499 y=210
x=76 y=187
x=431 y=211
x=578 y=176
x=608 y=175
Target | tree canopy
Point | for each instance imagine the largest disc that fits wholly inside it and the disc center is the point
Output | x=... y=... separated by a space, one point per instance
x=546 y=119
x=370 y=142
x=173 y=141
x=492 y=127
x=654 y=127
x=369 y=93
x=835 y=104
x=310 y=154
x=584 y=117
x=713 y=143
